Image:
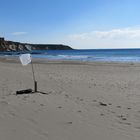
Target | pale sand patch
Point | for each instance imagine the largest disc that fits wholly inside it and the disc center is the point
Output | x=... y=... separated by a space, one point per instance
x=85 y=101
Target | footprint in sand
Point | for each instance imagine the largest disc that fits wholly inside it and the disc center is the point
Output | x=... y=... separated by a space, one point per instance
x=138 y=127
x=122 y=117
x=118 y=106
x=69 y=122
x=79 y=111
x=102 y=114
x=94 y=100
x=102 y=104
x=33 y=101
x=42 y=105
x=125 y=123
x=95 y=85
x=128 y=108
x=80 y=99
x=12 y=113
x=59 y=107
x=66 y=95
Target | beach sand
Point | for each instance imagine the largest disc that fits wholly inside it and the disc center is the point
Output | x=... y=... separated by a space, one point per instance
x=84 y=101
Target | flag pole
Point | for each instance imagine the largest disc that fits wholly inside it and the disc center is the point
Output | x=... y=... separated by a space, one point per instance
x=34 y=79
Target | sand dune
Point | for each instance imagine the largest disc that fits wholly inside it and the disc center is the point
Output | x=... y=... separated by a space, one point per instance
x=84 y=101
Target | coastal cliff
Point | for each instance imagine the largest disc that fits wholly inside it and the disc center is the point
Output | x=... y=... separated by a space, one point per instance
x=8 y=46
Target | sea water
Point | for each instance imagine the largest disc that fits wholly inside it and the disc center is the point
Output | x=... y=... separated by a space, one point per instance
x=106 y=55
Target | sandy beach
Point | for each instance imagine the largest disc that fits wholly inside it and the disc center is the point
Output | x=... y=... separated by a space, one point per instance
x=83 y=101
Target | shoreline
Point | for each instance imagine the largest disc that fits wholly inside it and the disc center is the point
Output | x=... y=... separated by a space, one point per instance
x=45 y=60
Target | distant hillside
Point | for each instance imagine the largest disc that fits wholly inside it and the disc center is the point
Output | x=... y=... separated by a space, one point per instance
x=9 y=46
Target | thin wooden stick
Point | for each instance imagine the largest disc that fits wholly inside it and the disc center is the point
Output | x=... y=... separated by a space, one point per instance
x=35 y=82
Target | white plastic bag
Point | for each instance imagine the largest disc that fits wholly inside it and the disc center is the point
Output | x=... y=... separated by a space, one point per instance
x=25 y=59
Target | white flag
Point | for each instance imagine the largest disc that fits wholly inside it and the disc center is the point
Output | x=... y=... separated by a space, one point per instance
x=25 y=59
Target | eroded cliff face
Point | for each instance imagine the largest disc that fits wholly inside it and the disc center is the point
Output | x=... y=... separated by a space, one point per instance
x=7 y=46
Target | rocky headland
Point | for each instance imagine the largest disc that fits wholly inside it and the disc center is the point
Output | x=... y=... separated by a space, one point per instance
x=11 y=46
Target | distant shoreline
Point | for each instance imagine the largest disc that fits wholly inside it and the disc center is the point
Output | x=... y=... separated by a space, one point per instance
x=13 y=59
x=98 y=55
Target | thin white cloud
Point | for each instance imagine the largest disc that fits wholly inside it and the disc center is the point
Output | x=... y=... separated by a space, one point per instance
x=82 y=36
x=19 y=33
x=114 y=38
x=119 y=33
x=124 y=33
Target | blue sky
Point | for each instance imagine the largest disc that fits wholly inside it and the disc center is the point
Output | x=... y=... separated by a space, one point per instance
x=82 y=24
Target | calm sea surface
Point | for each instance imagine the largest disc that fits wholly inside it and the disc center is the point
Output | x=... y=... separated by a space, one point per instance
x=109 y=55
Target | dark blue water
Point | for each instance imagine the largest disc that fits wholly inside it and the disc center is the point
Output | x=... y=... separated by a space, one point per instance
x=109 y=55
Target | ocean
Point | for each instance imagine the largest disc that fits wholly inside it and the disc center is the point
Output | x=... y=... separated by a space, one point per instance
x=105 y=55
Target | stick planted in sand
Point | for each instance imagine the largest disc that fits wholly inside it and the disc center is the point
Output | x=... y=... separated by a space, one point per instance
x=25 y=60
x=35 y=82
